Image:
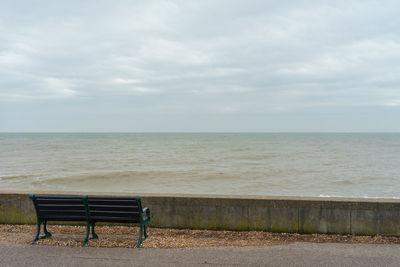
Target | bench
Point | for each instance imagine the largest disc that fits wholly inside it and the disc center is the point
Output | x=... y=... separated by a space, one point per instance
x=89 y=209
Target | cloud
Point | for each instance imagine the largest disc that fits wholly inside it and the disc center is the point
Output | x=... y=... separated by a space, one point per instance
x=393 y=103
x=207 y=57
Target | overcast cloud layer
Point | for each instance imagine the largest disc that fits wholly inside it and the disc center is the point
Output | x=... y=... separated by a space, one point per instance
x=199 y=66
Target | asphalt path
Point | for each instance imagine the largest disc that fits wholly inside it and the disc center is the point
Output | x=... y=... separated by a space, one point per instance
x=296 y=254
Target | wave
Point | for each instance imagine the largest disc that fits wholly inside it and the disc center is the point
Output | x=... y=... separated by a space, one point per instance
x=117 y=175
x=343 y=182
x=251 y=157
x=239 y=149
x=17 y=177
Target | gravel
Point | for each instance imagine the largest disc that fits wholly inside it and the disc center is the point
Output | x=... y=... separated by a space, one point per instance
x=127 y=236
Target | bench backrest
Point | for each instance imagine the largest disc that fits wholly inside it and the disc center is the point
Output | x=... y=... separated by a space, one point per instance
x=59 y=207
x=114 y=209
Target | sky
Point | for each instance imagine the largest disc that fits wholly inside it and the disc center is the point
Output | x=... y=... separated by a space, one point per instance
x=199 y=66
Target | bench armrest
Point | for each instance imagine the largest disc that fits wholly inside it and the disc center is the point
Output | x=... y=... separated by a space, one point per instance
x=146 y=213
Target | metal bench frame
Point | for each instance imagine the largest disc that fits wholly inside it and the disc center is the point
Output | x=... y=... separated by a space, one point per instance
x=144 y=216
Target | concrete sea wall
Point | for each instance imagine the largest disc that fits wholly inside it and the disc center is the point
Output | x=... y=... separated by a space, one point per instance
x=274 y=214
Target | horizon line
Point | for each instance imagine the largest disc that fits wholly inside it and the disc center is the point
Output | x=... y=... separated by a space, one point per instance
x=194 y=132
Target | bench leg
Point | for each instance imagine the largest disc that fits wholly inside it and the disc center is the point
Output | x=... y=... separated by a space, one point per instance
x=87 y=234
x=46 y=233
x=94 y=236
x=37 y=233
x=145 y=232
x=140 y=236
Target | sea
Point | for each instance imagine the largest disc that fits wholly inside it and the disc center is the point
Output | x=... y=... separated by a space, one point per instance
x=362 y=165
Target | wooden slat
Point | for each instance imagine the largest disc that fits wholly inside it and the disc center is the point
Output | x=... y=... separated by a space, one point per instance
x=39 y=197
x=63 y=218
x=66 y=213
x=115 y=219
x=113 y=197
x=113 y=208
x=59 y=201
x=61 y=207
x=113 y=202
x=114 y=213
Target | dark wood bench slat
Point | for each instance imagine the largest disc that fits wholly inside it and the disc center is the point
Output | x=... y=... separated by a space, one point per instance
x=64 y=218
x=113 y=197
x=113 y=202
x=116 y=208
x=115 y=219
x=61 y=207
x=59 y=201
x=57 y=197
x=114 y=213
x=62 y=212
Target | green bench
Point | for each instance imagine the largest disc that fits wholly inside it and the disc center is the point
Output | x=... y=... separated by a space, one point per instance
x=89 y=209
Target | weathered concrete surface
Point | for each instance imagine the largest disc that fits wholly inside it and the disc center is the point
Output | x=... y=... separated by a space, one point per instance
x=275 y=214
x=15 y=208
x=297 y=254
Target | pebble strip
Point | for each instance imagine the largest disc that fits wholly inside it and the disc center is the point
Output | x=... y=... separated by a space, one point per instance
x=127 y=236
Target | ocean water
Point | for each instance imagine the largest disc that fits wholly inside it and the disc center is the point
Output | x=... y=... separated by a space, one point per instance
x=271 y=164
